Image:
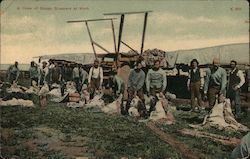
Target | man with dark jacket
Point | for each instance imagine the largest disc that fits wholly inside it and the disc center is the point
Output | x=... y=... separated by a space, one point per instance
x=236 y=80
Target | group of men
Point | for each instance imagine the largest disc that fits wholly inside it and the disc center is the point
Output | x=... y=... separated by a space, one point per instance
x=214 y=83
x=50 y=72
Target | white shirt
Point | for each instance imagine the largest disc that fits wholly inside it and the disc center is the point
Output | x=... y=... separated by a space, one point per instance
x=95 y=73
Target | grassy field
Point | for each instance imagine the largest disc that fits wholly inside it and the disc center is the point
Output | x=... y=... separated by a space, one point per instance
x=99 y=135
x=56 y=131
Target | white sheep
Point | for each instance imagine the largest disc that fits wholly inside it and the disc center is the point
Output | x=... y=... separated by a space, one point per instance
x=96 y=101
x=134 y=105
x=114 y=107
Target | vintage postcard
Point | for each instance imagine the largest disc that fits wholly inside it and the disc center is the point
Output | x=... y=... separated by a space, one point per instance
x=124 y=79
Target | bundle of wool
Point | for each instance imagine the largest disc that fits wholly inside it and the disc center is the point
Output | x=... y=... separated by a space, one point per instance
x=70 y=87
x=222 y=117
x=97 y=102
x=114 y=107
x=32 y=90
x=159 y=112
x=44 y=90
x=17 y=102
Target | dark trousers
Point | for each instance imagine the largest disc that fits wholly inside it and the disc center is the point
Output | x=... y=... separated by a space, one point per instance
x=94 y=85
x=212 y=92
x=62 y=84
x=153 y=92
x=12 y=78
x=77 y=82
x=234 y=96
x=195 y=93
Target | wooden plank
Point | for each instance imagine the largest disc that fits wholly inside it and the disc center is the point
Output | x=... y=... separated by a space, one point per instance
x=120 y=13
x=89 y=20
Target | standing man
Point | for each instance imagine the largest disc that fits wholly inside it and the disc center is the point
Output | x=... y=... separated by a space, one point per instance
x=76 y=77
x=84 y=75
x=56 y=74
x=68 y=72
x=215 y=82
x=43 y=74
x=236 y=80
x=95 y=78
x=34 y=73
x=136 y=80
x=156 y=82
x=50 y=67
x=13 y=73
x=194 y=83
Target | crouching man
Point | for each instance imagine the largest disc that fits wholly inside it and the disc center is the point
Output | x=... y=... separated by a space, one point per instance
x=156 y=82
x=116 y=84
x=136 y=80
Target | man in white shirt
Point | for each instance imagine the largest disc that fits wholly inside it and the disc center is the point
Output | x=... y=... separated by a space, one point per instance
x=236 y=80
x=95 y=78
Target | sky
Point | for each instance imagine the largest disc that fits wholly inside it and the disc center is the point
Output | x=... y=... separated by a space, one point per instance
x=31 y=28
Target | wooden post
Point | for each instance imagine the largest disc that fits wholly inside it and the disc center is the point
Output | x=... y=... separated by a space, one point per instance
x=144 y=31
x=91 y=40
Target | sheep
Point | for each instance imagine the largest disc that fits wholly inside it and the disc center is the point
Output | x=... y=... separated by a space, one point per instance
x=114 y=107
x=159 y=112
x=96 y=101
x=221 y=116
x=136 y=107
x=14 y=102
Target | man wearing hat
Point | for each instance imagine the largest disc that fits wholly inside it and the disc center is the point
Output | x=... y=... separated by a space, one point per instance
x=95 y=78
x=215 y=82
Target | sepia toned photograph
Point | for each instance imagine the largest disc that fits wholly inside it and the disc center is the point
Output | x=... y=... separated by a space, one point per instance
x=124 y=79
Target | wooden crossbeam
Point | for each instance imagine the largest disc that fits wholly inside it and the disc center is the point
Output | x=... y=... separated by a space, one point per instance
x=89 y=20
x=120 y=13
